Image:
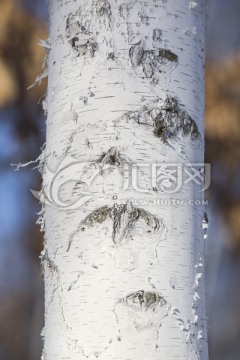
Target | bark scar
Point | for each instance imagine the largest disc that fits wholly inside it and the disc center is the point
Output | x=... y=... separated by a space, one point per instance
x=166 y=119
x=152 y=61
x=145 y=309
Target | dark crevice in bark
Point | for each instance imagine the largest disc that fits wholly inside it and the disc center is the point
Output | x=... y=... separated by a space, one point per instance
x=111 y=56
x=111 y=157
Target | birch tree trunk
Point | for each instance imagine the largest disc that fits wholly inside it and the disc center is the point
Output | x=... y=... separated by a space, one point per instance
x=124 y=251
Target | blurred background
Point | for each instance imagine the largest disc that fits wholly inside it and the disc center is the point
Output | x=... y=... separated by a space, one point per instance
x=22 y=133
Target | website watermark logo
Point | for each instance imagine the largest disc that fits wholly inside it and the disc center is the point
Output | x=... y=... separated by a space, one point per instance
x=167 y=178
x=74 y=183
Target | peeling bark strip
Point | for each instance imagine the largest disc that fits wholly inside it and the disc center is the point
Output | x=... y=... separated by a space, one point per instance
x=124 y=264
x=167 y=120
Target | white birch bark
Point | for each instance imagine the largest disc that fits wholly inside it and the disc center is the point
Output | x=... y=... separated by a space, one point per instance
x=123 y=271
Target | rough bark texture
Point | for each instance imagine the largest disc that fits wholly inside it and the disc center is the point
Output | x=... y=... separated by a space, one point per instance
x=123 y=272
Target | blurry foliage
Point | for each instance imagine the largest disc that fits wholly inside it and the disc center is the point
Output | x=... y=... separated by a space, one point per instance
x=20 y=63
x=20 y=56
x=223 y=110
x=222 y=131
